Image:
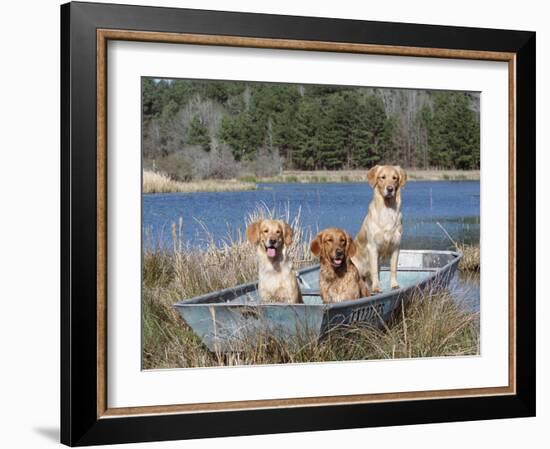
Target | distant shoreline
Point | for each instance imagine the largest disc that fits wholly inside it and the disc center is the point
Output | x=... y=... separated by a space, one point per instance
x=337 y=176
x=154 y=182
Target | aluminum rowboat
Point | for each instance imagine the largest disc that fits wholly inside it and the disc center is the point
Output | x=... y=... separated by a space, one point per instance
x=226 y=320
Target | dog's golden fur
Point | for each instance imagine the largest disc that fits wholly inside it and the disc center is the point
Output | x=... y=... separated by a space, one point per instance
x=276 y=280
x=380 y=234
x=339 y=279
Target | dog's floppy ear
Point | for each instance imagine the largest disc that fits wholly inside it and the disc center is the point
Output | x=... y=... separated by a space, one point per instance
x=288 y=233
x=402 y=176
x=253 y=232
x=315 y=246
x=372 y=174
x=351 y=247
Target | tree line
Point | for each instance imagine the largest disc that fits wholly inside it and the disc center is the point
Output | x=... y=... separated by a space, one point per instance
x=195 y=128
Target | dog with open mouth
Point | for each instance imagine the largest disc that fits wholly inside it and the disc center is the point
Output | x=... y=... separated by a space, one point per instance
x=339 y=279
x=276 y=279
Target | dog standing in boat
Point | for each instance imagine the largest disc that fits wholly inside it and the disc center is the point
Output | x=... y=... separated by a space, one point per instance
x=339 y=279
x=276 y=280
x=380 y=234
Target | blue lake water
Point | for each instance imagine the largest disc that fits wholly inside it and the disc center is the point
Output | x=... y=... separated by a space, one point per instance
x=455 y=205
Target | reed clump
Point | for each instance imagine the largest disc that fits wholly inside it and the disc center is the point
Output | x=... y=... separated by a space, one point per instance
x=470 y=261
x=155 y=182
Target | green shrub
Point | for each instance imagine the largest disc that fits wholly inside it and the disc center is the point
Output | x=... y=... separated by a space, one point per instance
x=248 y=178
x=175 y=166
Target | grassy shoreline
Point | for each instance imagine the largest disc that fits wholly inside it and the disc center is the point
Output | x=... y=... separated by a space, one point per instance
x=338 y=176
x=434 y=325
x=155 y=182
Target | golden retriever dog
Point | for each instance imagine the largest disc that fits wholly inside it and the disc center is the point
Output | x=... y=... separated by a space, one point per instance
x=380 y=234
x=339 y=279
x=276 y=280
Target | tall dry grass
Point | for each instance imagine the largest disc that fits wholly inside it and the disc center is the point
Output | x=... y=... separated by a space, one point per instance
x=154 y=182
x=431 y=325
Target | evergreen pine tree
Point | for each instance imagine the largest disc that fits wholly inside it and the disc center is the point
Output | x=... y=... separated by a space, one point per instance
x=198 y=134
x=306 y=135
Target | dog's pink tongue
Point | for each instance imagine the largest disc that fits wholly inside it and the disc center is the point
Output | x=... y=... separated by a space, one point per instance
x=337 y=261
x=271 y=252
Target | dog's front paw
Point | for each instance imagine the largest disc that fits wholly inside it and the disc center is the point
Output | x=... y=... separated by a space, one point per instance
x=376 y=290
x=395 y=286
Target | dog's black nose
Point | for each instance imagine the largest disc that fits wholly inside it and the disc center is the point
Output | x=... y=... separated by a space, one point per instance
x=272 y=241
x=339 y=252
x=390 y=188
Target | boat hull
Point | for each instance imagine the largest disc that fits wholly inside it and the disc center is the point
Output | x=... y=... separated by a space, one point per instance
x=232 y=319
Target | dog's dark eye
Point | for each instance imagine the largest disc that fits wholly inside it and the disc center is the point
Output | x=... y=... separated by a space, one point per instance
x=329 y=240
x=383 y=177
x=394 y=178
x=278 y=232
x=265 y=231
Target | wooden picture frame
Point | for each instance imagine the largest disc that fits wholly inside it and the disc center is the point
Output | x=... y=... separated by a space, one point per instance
x=86 y=29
